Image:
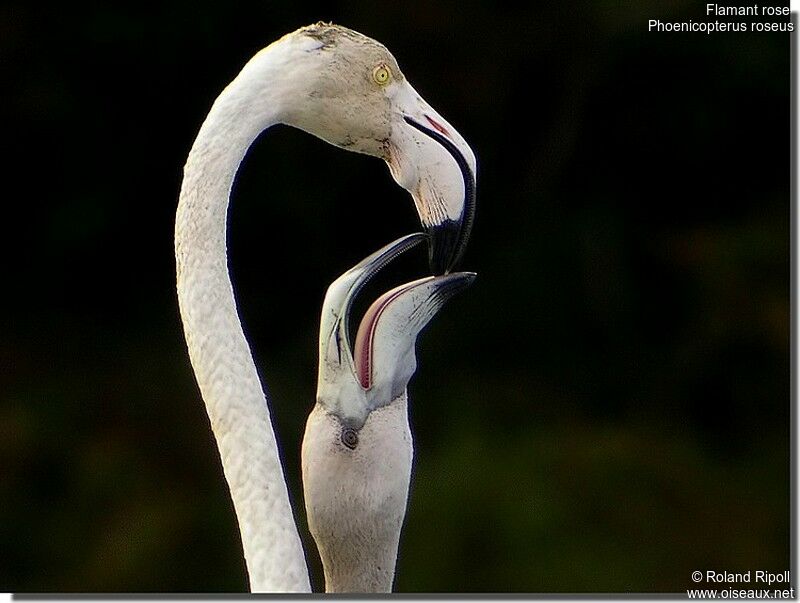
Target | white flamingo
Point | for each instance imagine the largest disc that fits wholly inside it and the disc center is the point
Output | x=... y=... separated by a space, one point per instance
x=348 y=90
x=357 y=448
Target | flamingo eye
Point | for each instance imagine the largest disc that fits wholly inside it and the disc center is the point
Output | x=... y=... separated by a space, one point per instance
x=382 y=75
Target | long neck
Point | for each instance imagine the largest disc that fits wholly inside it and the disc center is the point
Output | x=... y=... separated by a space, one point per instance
x=356 y=498
x=219 y=352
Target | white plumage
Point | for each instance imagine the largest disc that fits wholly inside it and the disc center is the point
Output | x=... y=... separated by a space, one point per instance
x=357 y=449
x=320 y=79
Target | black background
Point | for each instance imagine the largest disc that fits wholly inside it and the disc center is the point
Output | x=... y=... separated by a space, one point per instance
x=606 y=409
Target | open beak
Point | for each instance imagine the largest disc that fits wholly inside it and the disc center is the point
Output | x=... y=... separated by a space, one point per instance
x=381 y=360
x=433 y=162
x=334 y=328
x=393 y=321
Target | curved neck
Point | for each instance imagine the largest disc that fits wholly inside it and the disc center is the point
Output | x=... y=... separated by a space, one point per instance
x=219 y=352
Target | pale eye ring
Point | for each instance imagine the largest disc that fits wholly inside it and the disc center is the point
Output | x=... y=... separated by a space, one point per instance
x=382 y=75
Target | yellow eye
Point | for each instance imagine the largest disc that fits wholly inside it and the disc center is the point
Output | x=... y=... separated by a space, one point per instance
x=382 y=75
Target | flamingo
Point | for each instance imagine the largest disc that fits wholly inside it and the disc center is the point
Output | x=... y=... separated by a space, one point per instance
x=357 y=448
x=347 y=89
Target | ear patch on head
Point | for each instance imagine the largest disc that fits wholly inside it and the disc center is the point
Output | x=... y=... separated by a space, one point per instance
x=350 y=438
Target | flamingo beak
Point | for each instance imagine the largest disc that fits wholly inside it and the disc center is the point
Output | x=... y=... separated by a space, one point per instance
x=389 y=329
x=354 y=379
x=449 y=233
x=334 y=330
x=433 y=162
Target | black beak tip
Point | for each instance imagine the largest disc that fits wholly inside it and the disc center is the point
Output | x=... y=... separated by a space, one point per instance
x=444 y=246
x=449 y=238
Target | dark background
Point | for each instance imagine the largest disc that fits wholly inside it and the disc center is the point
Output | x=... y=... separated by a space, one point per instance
x=605 y=410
